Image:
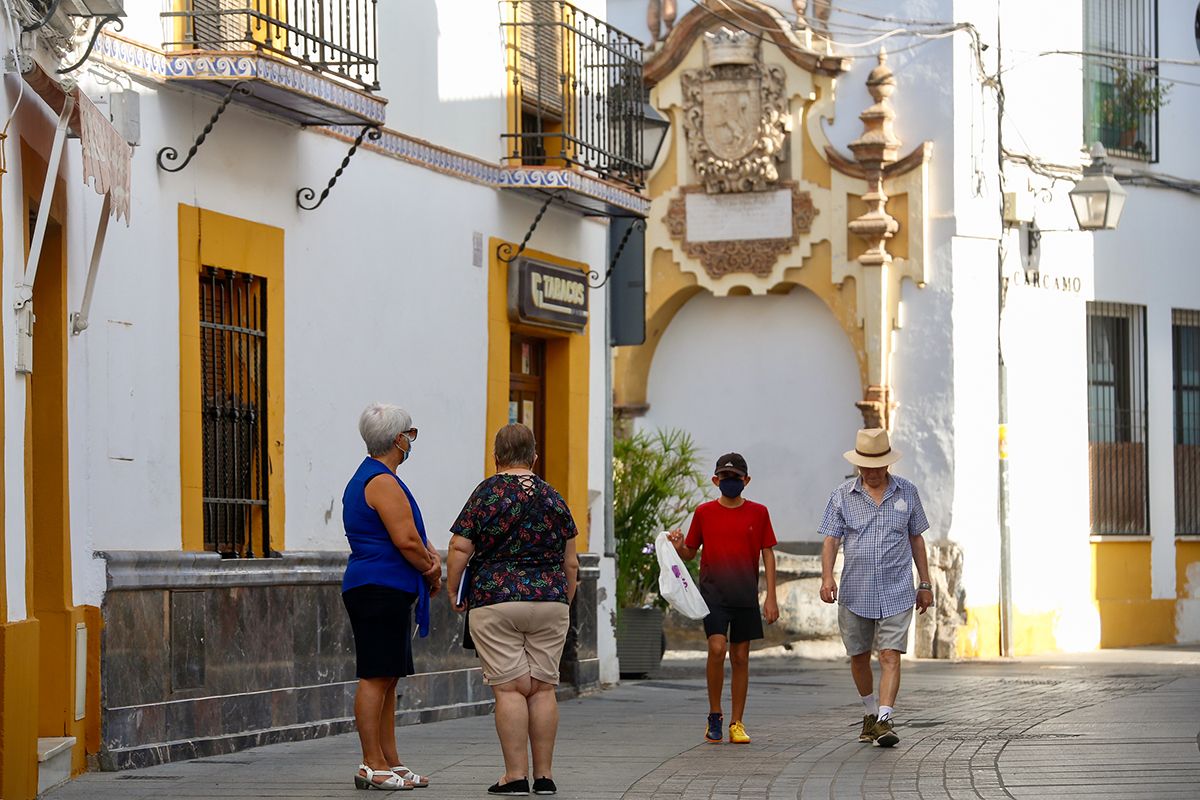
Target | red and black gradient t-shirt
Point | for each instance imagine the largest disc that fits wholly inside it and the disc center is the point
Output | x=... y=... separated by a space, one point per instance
x=733 y=540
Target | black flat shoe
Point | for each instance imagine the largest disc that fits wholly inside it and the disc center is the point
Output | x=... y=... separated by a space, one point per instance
x=517 y=787
x=544 y=786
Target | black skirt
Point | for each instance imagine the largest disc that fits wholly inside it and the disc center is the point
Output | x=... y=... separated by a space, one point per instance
x=381 y=618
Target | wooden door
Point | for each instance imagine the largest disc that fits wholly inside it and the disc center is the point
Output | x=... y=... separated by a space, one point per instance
x=527 y=391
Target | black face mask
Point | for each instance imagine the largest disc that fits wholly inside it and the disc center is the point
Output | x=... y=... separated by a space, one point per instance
x=732 y=487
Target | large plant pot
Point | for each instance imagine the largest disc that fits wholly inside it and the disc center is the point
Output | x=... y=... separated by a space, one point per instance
x=639 y=640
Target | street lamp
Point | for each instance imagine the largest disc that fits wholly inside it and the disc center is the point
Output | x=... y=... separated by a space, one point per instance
x=1098 y=199
x=654 y=133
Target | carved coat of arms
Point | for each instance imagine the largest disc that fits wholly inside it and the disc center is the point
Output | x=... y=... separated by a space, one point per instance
x=735 y=115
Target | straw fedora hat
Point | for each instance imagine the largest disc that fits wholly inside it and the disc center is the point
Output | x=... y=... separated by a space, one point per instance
x=872 y=448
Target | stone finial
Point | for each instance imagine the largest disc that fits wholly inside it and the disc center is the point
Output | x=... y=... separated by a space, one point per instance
x=877 y=148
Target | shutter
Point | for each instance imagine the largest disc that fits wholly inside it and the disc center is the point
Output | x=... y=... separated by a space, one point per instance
x=214 y=31
x=540 y=65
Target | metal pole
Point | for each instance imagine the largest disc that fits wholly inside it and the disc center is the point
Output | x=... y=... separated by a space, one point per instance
x=610 y=538
x=1006 y=607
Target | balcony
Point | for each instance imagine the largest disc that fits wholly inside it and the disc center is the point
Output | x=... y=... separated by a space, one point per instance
x=314 y=62
x=575 y=106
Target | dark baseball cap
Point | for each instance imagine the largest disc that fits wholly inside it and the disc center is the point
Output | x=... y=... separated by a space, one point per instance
x=731 y=462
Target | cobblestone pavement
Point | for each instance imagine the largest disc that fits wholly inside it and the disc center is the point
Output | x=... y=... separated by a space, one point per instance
x=1119 y=724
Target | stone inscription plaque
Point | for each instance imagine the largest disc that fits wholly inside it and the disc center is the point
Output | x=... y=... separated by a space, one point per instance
x=738 y=217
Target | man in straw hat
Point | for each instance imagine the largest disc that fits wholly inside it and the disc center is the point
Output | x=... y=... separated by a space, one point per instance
x=878 y=519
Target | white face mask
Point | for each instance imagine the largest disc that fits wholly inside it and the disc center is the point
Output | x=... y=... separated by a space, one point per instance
x=404 y=454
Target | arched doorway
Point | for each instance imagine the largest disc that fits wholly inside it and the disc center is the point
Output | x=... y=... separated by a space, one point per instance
x=773 y=377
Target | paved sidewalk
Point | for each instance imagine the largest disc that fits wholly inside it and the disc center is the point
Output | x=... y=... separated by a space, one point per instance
x=1118 y=724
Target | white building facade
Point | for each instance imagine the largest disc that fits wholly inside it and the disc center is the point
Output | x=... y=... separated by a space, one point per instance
x=778 y=335
x=174 y=457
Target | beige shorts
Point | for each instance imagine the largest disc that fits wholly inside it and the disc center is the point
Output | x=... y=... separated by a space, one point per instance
x=520 y=638
x=861 y=635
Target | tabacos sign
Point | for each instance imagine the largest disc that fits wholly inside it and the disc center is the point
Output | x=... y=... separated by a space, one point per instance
x=546 y=295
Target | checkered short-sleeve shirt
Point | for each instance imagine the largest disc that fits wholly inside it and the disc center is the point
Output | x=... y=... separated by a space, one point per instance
x=877 y=570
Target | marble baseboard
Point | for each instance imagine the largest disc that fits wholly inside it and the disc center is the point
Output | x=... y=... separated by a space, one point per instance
x=203 y=657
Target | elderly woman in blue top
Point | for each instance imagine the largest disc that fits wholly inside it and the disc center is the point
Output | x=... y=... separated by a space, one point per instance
x=879 y=521
x=392 y=569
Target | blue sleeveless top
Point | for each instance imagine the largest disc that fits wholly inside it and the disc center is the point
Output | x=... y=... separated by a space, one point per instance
x=374 y=559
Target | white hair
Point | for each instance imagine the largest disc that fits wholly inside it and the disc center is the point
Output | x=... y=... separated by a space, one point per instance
x=379 y=426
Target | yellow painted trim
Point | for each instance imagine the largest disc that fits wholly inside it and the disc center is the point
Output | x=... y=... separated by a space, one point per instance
x=1187 y=553
x=1121 y=585
x=566 y=381
x=3 y=430
x=208 y=238
x=18 y=709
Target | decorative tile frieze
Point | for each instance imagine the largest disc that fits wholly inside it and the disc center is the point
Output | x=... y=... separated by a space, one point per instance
x=459 y=165
x=150 y=62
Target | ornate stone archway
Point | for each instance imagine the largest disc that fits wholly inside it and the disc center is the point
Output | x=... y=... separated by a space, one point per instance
x=751 y=198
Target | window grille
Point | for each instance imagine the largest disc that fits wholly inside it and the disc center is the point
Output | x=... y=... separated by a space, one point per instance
x=575 y=91
x=1185 y=340
x=1118 y=91
x=233 y=357
x=335 y=37
x=1117 y=424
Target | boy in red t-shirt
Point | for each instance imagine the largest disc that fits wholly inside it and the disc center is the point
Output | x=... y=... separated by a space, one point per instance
x=733 y=532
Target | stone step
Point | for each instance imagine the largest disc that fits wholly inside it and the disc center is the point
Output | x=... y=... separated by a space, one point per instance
x=54 y=761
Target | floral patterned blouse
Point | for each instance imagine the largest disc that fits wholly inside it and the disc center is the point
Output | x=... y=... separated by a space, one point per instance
x=519 y=525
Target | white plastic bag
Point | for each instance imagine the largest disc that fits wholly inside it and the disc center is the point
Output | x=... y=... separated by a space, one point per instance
x=675 y=583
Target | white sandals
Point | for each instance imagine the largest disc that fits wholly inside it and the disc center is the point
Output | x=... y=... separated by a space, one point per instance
x=418 y=781
x=393 y=782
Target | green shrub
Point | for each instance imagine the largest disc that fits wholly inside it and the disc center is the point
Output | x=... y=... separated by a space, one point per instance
x=656 y=484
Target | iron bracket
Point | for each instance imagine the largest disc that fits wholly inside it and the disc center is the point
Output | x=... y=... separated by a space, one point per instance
x=101 y=22
x=307 y=194
x=172 y=155
x=612 y=264
x=504 y=248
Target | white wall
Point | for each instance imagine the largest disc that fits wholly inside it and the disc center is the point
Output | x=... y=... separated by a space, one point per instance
x=382 y=302
x=773 y=378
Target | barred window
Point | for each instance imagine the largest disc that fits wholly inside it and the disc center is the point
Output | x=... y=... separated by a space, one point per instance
x=1185 y=340
x=233 y=357
x=1116 y=375
x=1122 y=91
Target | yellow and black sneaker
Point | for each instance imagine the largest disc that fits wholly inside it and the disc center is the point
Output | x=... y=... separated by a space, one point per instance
x=713 y=734
x=737 y=733
x=885 y=736
x=868 y=731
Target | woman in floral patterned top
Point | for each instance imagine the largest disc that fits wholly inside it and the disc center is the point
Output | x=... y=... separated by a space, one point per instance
x=519 y=536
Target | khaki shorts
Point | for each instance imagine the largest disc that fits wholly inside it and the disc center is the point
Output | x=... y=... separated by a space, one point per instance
x=861 y=635
x=520 y=638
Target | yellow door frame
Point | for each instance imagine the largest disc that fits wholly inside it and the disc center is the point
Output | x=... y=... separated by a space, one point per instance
x=211 y=239
x=566 y=387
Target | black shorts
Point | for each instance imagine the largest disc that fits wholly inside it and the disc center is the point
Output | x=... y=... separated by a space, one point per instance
x=735 y=624
x=381 y=618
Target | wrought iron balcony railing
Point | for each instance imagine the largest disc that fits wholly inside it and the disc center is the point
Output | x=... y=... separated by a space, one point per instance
x=575 y=91
x=333 y=37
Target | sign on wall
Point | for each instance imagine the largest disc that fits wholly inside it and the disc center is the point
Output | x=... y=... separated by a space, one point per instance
x=546 y=295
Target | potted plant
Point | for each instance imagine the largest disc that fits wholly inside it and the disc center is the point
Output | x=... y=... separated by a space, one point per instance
x=1136 y=94
x=656 y=484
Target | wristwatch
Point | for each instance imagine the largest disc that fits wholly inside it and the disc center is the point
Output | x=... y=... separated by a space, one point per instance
x=924 y=585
